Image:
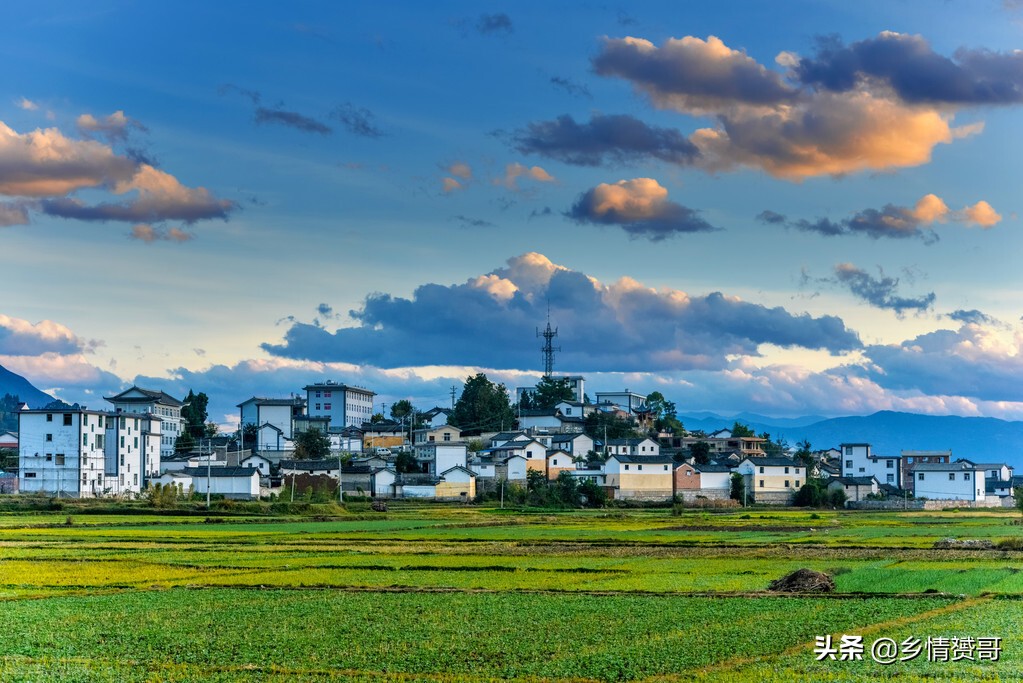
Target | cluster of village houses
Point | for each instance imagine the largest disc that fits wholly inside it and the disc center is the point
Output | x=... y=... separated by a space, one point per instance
x=124 y=448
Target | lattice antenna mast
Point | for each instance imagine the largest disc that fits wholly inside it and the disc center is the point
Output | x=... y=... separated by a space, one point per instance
x=548 y=346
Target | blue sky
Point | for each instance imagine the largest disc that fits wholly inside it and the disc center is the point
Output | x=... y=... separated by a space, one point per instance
x=808 y=212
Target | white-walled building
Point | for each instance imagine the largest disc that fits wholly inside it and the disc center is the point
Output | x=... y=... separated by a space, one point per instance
x=62 y=452
x=345 y=405
x=628 y=401
x=274 y=419
x=858 y=460
x=164 y=406
x=948 y=481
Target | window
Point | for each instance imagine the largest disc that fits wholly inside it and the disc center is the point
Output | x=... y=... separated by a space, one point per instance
x=49 y=437
x=786 y=472
x=30 y=475
x=920 y=477
x=848 y=464
x=59 y=462
x=626 y=467
x=122 y=442
x=85 y=439
x=797 y=472
x=432 y=437
x=317 y=394
x=797 y=483
x=49 y=417
x=447 y=436
x=889 y=464
x=966 y=476
x=317 y=406
x=665 y=468
x=891 y=479
x=326 y=406
x=862 y=469
x=951 y=476
x=554 y=462
x=100 y=420
x=761 y=470
x=639 y=467
x=689 y=473
x=761 y=483
x=848 y=450
x=49 y=457
x=136 y=442
x=786 y=483
x=122 y=423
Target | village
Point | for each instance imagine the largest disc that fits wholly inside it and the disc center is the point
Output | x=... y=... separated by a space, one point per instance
x=132 y=446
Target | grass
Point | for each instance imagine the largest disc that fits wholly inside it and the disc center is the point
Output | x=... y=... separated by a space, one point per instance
x=445 y=593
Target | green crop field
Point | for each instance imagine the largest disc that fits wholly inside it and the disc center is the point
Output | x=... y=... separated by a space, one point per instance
x=450 y=593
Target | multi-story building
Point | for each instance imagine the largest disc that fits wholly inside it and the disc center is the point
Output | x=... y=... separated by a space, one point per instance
x=628 y=401
x=274 y=419
x=164 y=406
x=771 y=479
x=345 y=405
x=911 y=459
x=948 y=481
x=858 y=460
x=81 y=453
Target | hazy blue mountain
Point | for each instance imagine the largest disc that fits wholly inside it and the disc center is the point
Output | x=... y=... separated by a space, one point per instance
x=16 y=385
x=975 y=438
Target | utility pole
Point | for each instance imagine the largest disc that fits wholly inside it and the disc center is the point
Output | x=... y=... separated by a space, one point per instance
x=209 y=471
x=453 y=397
x=340 y=488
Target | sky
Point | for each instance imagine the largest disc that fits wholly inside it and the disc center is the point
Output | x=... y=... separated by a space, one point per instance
x=808 y=211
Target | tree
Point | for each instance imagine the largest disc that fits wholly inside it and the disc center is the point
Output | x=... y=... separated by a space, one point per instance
x=185 y=443
x=482 y=407
x=804 y=454
x=194 y=414
x=406 y=462
x=8 y=458
x=549 y=392
x=210 y=430
x=740 y=430
x=814 y=493
x=250 y=434
x=1018 y=495
x=312 y=444
x=617 y=427
x=737 y=487
x=700 y=452
x=665 y=413
x=774 y=448
x=376 y=417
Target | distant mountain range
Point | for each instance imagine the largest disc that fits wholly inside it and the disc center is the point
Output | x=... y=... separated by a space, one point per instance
x=16 y=385
x=976 y=438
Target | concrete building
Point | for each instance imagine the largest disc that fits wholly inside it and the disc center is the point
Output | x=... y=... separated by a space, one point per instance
x=166 y=407
x=949 y=481
x=345 y=405
x=274 y=419
x=771 y=480
x=640 y=477
x=858 y=460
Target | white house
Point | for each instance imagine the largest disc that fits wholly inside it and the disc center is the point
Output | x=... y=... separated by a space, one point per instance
x=330 y=467
x=258 y=462
x=578 y=444
x=641 y=447
x=948 y=481
x=384 y=482
x=641 y=477
x=62 y=452
x=275 y=420
x=772 y=479
x=345 y=405
x=627 y=401
x=158 y=403
x=9 y=440
x=436 y=417
x=230 y=482
x=443 y=434
x=855 y=488
x=440 y=456
x=858 y=460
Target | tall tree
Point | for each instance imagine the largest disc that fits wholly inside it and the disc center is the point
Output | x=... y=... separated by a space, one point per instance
x=740 y=430
x=401 y=411
x=312 y=444
x=549 y=392
x=194 y=413
x=665 y=413
x=598 y=422
x=482 y=407
x=700 y=452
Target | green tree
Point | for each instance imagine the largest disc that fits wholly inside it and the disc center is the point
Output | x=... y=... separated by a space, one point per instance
x=376 y=417
x=194 y=414
x=185 y=443
x=737 y=487
x=740 y=430
x=482 y=407
x=312 y=444
x=774 y=447
x=665 y=412
x=1018 y=495
x=8 y=458
x=804 y=454
x=617 y=427
x=814 y=493
x=700 y=452
x=250 y=432
x=210 y=430
x=549 y=392
x=405 y=462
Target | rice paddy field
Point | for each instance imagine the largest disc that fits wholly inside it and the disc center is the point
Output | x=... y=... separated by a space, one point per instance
x=452 y=593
